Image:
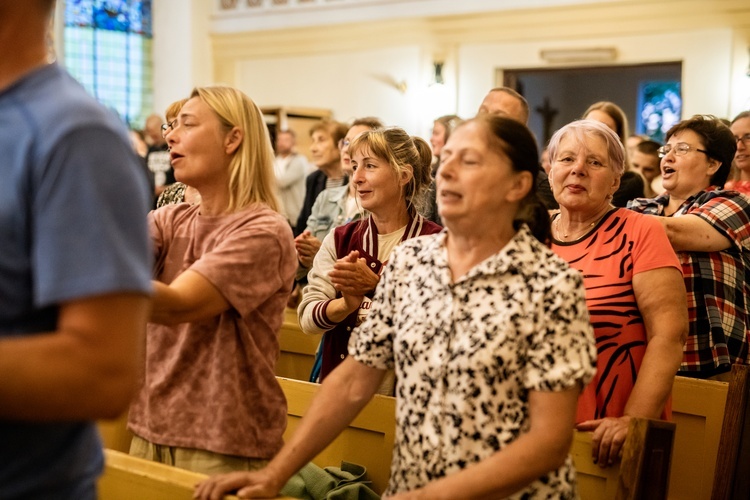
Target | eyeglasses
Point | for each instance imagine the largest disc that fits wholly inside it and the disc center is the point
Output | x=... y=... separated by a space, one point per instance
x=745 y=139
x=344 y=143
x=680 y=149
x=169 y=125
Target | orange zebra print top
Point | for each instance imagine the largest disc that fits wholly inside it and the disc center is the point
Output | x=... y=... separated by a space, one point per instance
x=621 y=245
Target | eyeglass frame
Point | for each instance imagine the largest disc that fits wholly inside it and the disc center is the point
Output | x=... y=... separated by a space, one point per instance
x=168 y=125
x=744 y=139
x=343 y=143
x=680 y=146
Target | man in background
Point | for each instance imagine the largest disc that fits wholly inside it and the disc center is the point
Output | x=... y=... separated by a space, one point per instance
x=291 y=170
x=505 y=101
x=74 y=267
x=645 y=160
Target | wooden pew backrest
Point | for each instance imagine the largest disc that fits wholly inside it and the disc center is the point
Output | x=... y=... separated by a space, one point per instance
x=594 y=482
x=641 y=475
x=297 y=349
x=698 y=411
x=368 y=440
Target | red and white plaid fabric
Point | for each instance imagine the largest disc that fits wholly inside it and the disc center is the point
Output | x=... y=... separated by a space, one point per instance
x=718 y=283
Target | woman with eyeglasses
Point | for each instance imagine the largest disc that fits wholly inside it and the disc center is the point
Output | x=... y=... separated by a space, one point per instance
x=740 y=175
x=709 y=228
x=634 y=288
x=209 y=399
x=177 y=192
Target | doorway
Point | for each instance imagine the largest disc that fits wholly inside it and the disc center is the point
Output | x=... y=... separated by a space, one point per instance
x=648 y=93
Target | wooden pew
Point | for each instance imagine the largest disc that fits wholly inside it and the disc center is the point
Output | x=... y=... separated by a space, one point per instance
x=129 y=478
x=115 y=434
x=732 y=475
x=698 y=411
x=297 y=349
x=643 y=472
x=368 y=440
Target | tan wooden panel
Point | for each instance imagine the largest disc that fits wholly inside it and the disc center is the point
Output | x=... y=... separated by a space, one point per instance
x=698 y=411
x=594 y=482
x=297 y=349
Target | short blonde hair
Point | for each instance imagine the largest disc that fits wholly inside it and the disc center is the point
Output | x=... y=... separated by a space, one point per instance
x=251 y=176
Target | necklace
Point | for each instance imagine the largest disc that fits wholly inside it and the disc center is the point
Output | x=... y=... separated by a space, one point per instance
x=563 y=236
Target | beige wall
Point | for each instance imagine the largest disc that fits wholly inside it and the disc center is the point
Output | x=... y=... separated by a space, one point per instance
x=346 y=67
x=706 y=57
x=182 y=49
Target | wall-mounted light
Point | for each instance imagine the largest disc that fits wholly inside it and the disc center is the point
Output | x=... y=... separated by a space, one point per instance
x=599 y=54
x=438 y=76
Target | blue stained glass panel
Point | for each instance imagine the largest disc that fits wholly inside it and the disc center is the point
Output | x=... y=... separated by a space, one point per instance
x=107 y=47
x=133 y=16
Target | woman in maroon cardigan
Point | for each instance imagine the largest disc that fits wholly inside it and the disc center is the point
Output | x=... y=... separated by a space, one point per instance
x=391 y=173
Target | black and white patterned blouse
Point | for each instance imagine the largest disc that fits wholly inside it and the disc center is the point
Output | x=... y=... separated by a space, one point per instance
x=466 y=354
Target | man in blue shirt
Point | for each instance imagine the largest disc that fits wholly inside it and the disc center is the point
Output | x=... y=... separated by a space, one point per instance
x=74 y=267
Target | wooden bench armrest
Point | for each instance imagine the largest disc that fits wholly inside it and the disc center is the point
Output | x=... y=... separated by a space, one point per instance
x=643 y=472
x=733 y=460
x=646 y=460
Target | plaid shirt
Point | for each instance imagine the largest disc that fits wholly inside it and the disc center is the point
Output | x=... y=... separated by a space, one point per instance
x=718 y=283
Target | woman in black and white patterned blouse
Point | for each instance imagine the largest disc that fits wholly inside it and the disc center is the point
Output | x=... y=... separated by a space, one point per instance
x=488 y=333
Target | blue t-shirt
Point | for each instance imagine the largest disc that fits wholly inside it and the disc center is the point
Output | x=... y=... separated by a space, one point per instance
x=73 y=204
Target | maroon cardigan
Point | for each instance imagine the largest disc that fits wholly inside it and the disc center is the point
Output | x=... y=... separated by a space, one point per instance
x=361 y=235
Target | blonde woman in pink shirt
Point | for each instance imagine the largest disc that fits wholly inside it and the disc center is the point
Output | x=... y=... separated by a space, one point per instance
x=210 y=401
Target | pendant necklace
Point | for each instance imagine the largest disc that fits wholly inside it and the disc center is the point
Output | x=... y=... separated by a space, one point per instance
x=585 y=230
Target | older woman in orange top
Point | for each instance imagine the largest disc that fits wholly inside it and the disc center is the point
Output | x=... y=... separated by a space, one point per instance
x=634 y=288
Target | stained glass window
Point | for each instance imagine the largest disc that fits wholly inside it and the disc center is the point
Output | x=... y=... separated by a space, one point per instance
x=107 y=47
